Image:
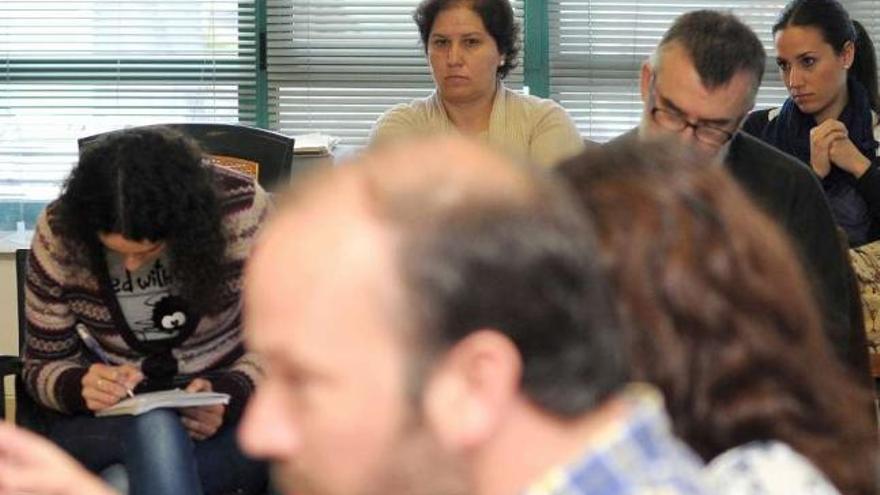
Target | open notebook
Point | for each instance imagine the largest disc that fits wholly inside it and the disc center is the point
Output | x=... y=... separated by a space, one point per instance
x=176 y=398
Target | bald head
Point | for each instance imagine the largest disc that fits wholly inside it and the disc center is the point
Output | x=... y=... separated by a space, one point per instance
x=460 y=239
x=423 y=179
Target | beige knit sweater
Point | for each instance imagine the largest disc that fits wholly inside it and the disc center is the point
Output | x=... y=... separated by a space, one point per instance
x=524 y=127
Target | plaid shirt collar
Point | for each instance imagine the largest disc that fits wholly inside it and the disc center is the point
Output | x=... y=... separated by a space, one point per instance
x=636 y=454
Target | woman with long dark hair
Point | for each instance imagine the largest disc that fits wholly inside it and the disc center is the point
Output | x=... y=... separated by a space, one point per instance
x=721 y=319
x=830 y=119
x=133 y=285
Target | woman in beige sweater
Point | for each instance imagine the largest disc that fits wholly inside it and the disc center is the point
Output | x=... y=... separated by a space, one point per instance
x=471 y=46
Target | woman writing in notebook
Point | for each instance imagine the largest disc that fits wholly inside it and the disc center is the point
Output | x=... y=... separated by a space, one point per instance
x=142 y=255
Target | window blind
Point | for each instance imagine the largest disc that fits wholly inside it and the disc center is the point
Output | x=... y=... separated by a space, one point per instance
x=73 y=68
x=868 y=13
x=597 y=48
x=336 y=65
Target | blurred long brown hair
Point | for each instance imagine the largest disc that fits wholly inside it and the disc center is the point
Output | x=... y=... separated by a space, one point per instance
x=720 y=315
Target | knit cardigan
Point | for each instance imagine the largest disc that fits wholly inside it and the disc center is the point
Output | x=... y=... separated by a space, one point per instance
x=62 y=291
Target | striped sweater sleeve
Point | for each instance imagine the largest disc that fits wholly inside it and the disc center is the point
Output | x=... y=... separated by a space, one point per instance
x=243 y=222
x=53 y=364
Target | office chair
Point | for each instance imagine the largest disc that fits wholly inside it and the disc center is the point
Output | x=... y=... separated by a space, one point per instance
x=12 y=365
x=28 y=413
x=259 y=153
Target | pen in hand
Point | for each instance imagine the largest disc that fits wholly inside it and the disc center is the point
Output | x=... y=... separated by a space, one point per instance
x=93 y=346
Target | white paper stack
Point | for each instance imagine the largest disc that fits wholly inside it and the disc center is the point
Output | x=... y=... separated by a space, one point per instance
x=176 y=398
x=314 y=144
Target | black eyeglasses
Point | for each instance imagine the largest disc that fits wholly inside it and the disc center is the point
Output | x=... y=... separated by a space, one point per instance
x=676 y=122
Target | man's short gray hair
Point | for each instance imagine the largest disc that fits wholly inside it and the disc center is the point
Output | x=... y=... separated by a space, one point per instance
x=720 y=46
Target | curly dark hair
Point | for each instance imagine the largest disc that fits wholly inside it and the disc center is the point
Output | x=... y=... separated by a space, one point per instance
x=719 y=312
x=498 y=19
x=148 y=184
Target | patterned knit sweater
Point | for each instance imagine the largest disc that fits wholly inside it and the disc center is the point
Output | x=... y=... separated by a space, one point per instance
x=61 y=292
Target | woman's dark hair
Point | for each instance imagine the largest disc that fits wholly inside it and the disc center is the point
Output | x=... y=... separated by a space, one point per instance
x=719 y=314
x=148 y=184
x=833 y=21
x=498 y=19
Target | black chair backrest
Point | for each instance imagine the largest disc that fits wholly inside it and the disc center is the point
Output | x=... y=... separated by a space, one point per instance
x=239 y=146
x=21 y=259
x=11 y=365
x=28 y=413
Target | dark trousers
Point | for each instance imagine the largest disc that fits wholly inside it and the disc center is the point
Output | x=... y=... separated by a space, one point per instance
x=159 y=456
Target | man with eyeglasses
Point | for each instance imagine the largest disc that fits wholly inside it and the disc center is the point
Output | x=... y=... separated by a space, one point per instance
x=697 y=87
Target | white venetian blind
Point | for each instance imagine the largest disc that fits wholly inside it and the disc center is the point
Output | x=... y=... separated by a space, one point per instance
x=336 y=65
x=597 y=48
x=71 y=68
x=868 y=13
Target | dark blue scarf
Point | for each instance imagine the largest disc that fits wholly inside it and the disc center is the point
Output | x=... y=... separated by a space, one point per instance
x=790 y=132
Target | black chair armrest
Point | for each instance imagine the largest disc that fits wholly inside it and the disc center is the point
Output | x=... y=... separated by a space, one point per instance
x=10 y=365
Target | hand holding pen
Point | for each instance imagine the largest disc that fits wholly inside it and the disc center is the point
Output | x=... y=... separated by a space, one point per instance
x=105 y=384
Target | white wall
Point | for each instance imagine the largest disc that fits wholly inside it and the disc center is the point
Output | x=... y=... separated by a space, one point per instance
x=8 y=305
x=8 y=310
